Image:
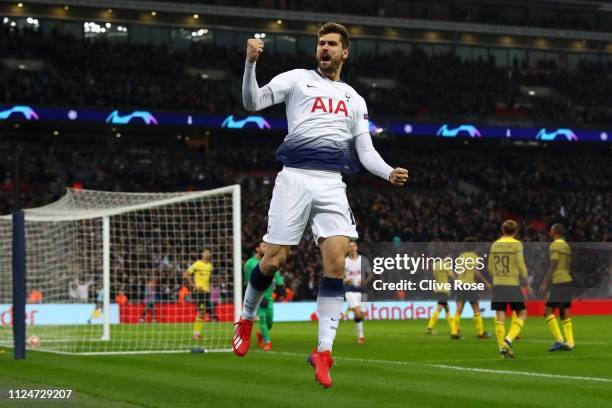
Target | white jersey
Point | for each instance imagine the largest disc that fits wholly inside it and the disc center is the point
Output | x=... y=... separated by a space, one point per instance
x=352 y=273
x=324 y=117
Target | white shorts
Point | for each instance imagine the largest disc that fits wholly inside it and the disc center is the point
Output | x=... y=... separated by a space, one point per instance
x=315 y=197
x=353 y=299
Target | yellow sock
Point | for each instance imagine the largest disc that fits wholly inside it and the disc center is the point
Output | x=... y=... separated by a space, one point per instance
x=198 y=325
x=450 y=322
x=500 y=332
x=433 y=319
x=96 y=313
x=568 y=330
x=479 y=324
x=515 y=329
x=514 y=316
x=551 y=321
x=456 y=324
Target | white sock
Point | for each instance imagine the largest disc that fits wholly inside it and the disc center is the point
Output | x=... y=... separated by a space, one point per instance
x=252 y=299
x=359 y=329
x=329 y=310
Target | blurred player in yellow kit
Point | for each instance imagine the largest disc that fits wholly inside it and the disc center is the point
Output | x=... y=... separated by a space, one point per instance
x=471 y=274
x=198 y=276
x=443 y=273
x=507 y=267
x=558 y=283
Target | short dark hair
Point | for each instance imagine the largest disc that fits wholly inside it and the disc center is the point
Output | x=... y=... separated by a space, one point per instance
x=509 y=227
x=331 y=27
x=558 y=228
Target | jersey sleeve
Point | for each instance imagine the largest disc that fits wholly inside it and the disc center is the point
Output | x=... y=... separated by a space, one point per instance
x=278 y=279
x=361 y=123
x=282 y=85
x=520 y=261
x=554 y=252
x=192 y=268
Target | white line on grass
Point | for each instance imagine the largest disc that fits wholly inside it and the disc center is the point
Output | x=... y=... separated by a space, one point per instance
x=451 y=367
x=544 y=357
x=444 y=336
x=523 y=373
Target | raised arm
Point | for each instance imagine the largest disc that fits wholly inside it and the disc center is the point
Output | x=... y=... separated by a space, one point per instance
x=254 y=98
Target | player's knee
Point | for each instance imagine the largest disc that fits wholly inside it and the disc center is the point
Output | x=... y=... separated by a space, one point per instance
x=271 y=264
x=358 y=319
x=335 y=266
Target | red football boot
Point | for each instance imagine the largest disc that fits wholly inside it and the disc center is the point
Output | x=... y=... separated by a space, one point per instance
x=322 y=362
x=242 y=337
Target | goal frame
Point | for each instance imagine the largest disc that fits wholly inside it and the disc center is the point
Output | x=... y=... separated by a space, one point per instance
x=43 y=214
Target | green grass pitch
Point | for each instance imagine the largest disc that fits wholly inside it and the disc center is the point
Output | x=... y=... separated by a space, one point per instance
x=398 y=366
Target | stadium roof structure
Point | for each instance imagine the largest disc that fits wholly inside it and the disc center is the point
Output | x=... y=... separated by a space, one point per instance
x=261 y=14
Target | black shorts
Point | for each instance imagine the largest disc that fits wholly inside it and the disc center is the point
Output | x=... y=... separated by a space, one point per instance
x=560 y=295
x=467 y=296
x=507 y=295
x=441 y=297
x=202 y=300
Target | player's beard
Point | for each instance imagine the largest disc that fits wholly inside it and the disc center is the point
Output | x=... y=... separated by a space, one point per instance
x=332 y=67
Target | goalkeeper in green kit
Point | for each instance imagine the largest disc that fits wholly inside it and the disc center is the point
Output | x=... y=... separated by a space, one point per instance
x=266 y=307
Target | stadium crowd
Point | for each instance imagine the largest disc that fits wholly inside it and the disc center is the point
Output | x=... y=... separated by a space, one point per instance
x=456 y=191
x=466 y=12
x=102 y=73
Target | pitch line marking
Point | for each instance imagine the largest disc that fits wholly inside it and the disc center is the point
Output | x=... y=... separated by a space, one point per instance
x=452 y=367
x=524 y=373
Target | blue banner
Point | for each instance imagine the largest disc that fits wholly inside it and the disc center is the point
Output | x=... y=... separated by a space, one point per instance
x=20 y=113
x=58 y=314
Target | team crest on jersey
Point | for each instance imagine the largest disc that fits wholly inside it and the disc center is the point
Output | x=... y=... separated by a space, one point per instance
x=330 y=107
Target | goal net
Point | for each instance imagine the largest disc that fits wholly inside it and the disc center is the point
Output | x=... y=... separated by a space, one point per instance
x=112 y=272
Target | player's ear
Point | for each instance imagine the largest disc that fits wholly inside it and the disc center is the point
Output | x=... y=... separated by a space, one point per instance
x=345 y=53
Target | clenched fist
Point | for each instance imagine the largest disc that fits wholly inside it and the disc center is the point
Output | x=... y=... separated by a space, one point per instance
x=398 y=176
x=254 y=49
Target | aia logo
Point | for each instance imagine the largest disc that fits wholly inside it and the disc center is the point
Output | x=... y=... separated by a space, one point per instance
x=329 y=108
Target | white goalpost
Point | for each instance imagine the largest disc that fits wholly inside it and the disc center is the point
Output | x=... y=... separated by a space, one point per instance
x=105 y=272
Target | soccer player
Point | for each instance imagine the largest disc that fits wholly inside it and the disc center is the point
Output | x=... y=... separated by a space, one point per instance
x=469 y=275
x=354 y=265
x=560 y=293
x=150 y=295
x=198 y=276
x=328 y=135
x=97 y=312
x=265 y=312
x=507 y=267
x=443 y=273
